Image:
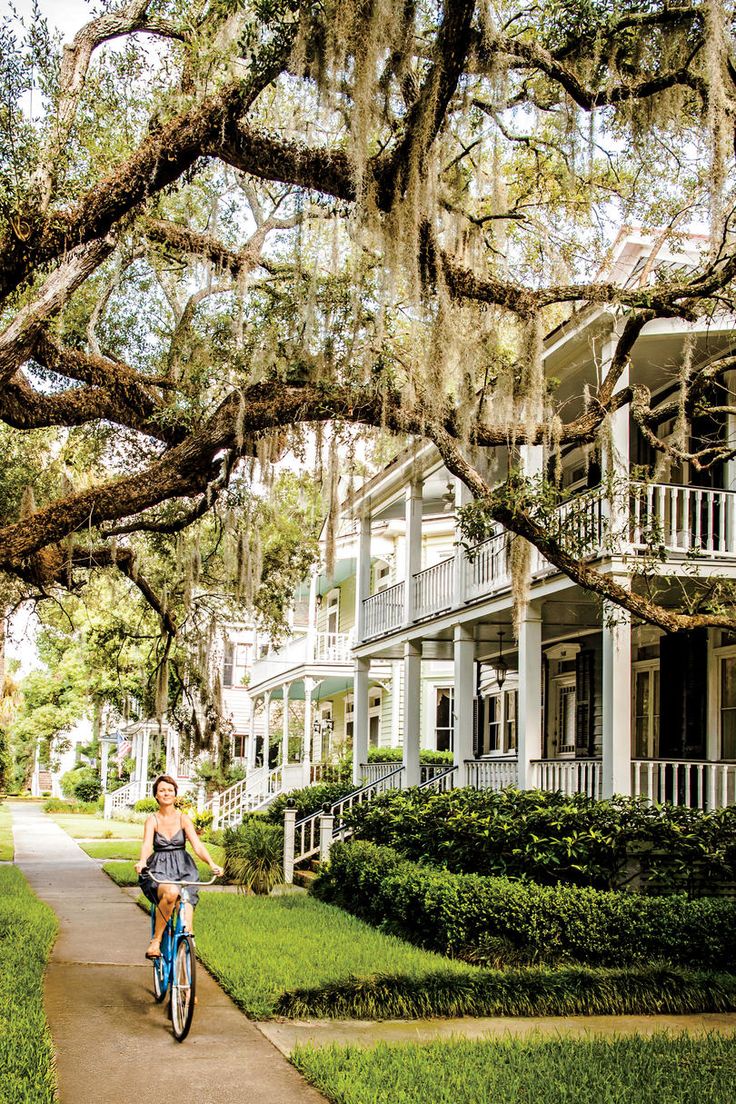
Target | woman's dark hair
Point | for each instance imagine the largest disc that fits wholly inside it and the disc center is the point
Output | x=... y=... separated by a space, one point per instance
x=165 y=778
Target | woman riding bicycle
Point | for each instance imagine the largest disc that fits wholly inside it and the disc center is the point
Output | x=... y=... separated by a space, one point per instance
x=164 y=854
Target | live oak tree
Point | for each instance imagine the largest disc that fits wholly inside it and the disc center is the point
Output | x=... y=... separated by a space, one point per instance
x=233 y=228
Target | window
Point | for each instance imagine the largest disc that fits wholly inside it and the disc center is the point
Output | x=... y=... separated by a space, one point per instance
x=646 y=711
x=374 y=719
x=349 y=717
x=228 y=664
x=239 y=745
x=499 y=737
x=728 y=707
x=333 y=611
x=444 y=719
x=382 y=575
x=242 y=655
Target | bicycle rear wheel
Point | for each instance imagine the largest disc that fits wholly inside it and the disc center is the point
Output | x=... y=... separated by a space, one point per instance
x=183 y=988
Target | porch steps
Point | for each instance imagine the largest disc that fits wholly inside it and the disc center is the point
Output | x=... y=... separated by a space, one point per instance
x=305 y=876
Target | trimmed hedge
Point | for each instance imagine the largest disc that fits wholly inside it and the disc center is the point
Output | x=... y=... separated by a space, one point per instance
x=552 y=838
x=457 y=913
x=534 y=991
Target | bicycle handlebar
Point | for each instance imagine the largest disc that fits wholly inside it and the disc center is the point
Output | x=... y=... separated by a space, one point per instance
x=172 y=881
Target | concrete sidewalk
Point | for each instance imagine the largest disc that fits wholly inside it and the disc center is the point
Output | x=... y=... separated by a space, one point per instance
x=113 y=1042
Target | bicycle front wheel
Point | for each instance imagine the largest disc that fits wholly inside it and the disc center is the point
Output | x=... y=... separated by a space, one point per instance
x=183 y=988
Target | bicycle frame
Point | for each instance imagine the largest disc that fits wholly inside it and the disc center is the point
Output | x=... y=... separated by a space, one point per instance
x=175 y=931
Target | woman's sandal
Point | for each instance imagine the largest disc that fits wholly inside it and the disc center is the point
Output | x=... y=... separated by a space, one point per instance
x=151 y=953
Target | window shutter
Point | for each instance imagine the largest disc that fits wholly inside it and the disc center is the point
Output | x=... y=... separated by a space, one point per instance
x=584 y=703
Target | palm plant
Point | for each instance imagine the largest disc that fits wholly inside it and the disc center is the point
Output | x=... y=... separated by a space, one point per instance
x=254 y=855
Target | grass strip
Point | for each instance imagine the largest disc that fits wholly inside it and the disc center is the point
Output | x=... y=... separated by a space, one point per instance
x=525 y=991
x=27 y=931
x=259 y=947
x=7 y=849
x=124 y=873
x=131 y=849
x=83 y=826
x=678 y=1070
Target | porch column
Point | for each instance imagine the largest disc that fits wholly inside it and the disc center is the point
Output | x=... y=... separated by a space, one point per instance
x=285 y=726
x=616 y=774
x=360 y=717
x=309 y=685
x=363 y=571
x=145 y=737
x=615 y=458
x=396 y=703
x=462 y=497
x=530 y=695
x=412 y=693
x=266 y=727
x=104 y=759
x=135 y=747
x=464 y=687
x=312 y=621
x=412 y=545
x=251 y=761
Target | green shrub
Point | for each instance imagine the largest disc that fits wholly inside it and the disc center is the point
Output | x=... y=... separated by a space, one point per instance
x=395 y=755
x=308 y=800
x=455 y=913
x=146 y=805
x=254 y=853
x=537 y=991
x=552 y=838
x=62 y=805
x=82 y=783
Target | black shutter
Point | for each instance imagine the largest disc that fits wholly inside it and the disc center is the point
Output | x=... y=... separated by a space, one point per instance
x=584 y=703
x=682 y=681
x=478 y=717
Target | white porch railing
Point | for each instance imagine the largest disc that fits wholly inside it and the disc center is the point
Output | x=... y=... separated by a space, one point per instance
x=487 y=567
x=683 y=519
x=440 y=778
x=333 y=647
x=124 y=797
x=693 y=783
x=252 y=792
x=491 y=774
x=384 y=611
x=302 y=837
x=372 y=772
x=570 y=776
x=433 y=589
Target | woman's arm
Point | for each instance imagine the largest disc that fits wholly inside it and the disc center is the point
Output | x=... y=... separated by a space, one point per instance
x=198 y=847
x=147 y=845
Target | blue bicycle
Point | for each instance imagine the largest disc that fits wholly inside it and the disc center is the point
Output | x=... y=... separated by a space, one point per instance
x=175 y=970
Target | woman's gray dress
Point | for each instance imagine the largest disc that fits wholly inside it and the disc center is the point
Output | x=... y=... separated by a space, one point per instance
x=170 y=861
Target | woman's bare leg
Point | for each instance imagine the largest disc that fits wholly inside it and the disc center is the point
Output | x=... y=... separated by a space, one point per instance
x=167 y=898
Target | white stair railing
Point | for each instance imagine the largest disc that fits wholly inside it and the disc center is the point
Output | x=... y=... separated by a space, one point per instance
x=228 y=807
x=124 y=798
x=302 y=837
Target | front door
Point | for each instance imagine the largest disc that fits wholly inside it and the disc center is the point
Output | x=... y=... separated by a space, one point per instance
x=646 y=710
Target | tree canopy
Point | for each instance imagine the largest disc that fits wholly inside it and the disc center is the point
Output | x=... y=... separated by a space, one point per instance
x=224 y=223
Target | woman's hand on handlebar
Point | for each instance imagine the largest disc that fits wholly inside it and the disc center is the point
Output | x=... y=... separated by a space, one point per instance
x=216 y=870
x=140 y=866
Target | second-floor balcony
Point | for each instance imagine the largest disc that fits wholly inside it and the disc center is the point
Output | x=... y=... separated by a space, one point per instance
x=308 y=649
x=657 y=520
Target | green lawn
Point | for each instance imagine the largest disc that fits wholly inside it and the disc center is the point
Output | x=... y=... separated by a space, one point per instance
x=258 y=947
x=124 y=874
x=27 y=931
x=658 y=1070
x=131 y=849
x=6 y=834
x=83 y=826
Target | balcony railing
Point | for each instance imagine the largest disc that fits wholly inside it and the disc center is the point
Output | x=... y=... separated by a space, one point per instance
x=689 y=520
x=433 y=589
x=384 y=611
x=333 y=647
x=693 y=521
x=325 y=647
